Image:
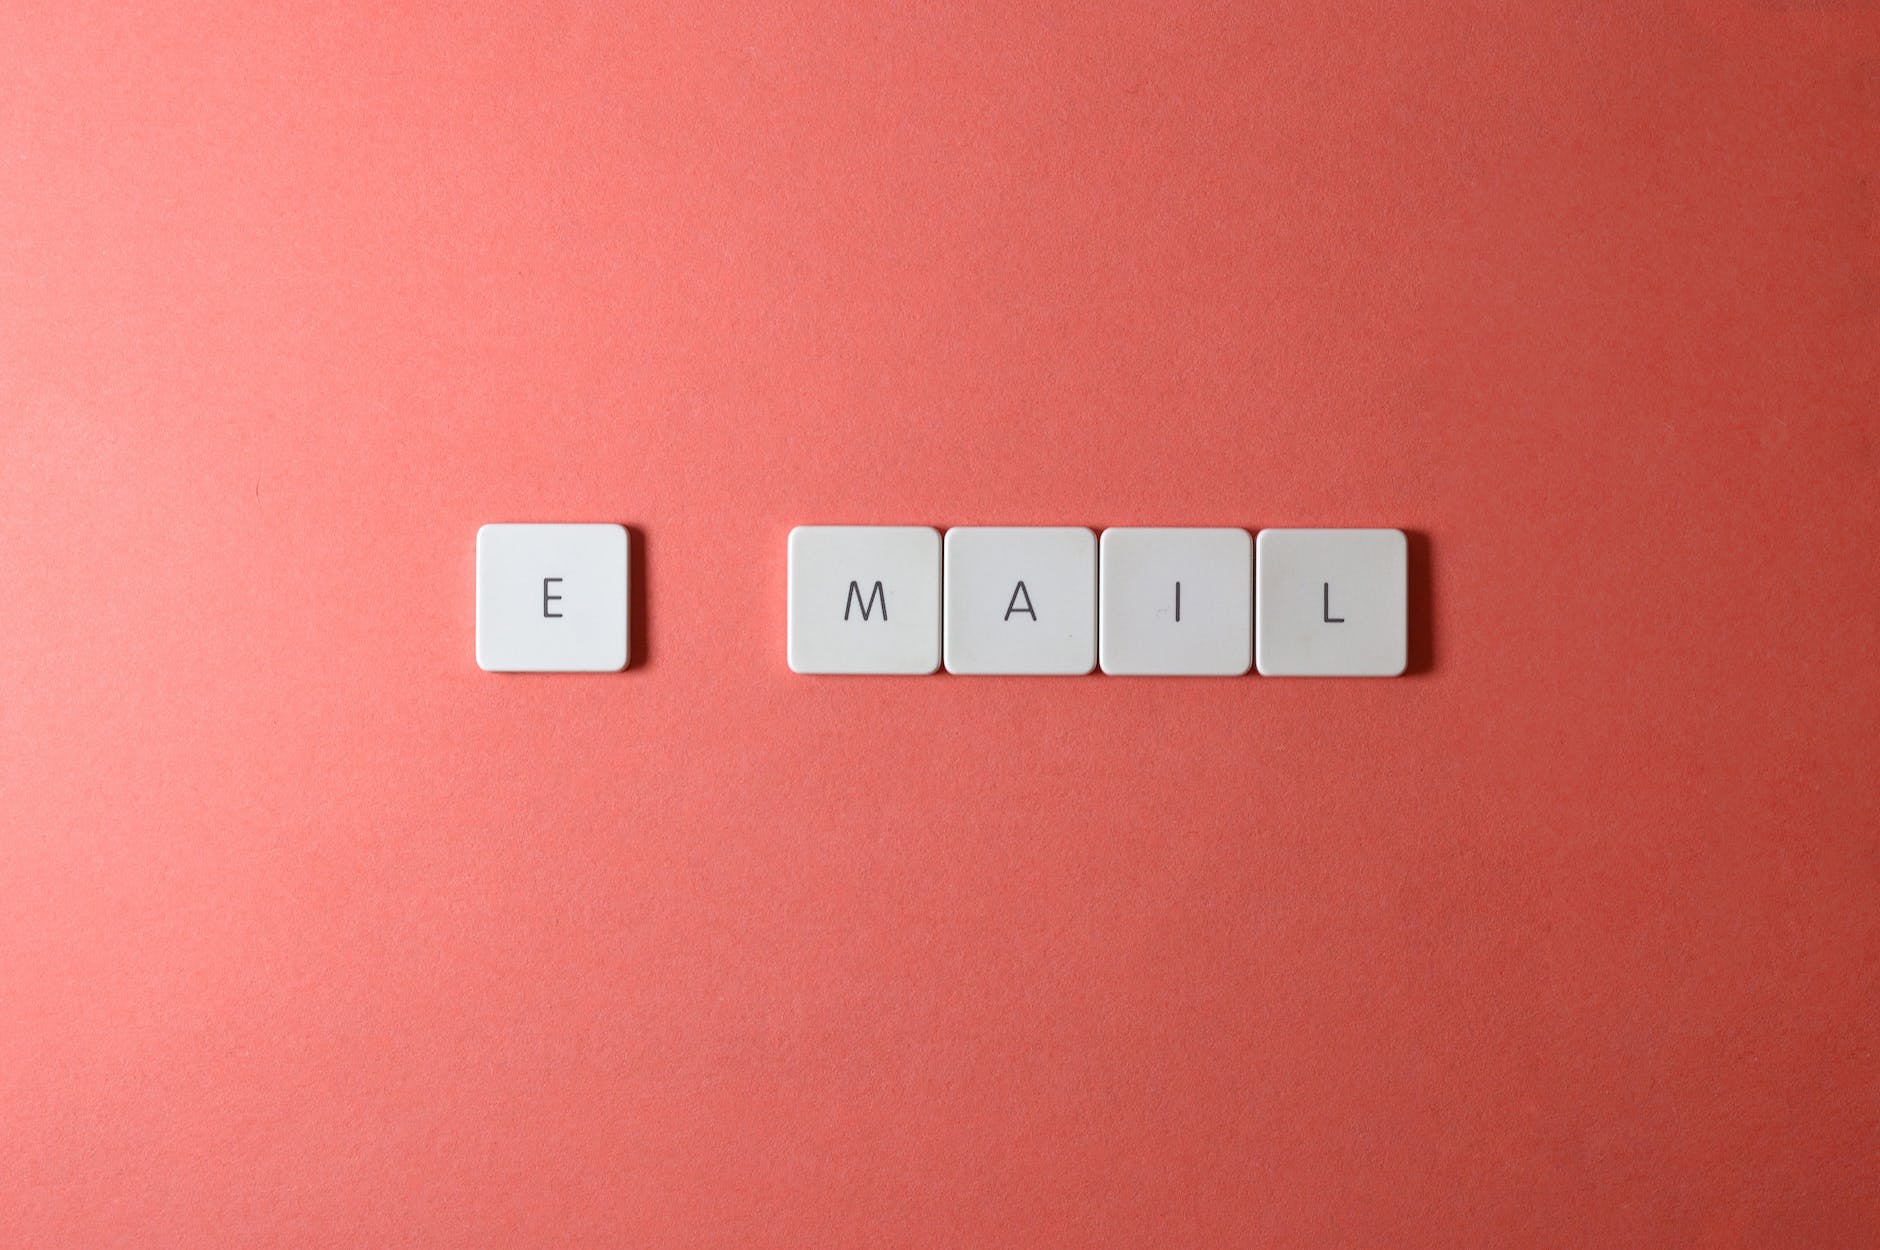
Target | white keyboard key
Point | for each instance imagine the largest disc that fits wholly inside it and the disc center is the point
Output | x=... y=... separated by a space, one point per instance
x=864 y=599
x=1332 y=603
x=552 y=598
x=1021 y=599
x=1176 y=602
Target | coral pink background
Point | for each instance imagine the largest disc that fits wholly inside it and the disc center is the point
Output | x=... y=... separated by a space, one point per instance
x=312 y=934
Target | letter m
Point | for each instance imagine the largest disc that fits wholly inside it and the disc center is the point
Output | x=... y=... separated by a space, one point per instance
x=875 y=596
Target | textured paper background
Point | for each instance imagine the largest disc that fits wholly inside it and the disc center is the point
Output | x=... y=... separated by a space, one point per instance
x=312 y=934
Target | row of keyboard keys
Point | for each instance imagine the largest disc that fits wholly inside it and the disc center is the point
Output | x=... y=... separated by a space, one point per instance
x=989 y=600
x=1056 y=600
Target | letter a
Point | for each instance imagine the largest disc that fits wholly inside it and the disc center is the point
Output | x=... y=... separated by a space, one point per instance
x=1019 y=592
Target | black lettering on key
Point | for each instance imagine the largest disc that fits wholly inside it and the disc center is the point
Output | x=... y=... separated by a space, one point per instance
x=1019 y=591
x=548 y=598
x=875 y=596
x=1327 y=613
